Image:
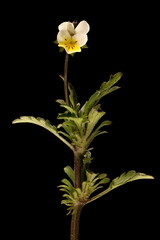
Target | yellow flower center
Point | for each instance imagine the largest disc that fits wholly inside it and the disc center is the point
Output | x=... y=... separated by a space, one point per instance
x=70 y=45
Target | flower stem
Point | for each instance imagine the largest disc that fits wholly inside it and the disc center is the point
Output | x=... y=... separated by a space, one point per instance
x=66 y=79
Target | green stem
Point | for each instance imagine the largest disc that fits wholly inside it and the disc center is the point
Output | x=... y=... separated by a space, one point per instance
x=66 y=79
x=99 y=195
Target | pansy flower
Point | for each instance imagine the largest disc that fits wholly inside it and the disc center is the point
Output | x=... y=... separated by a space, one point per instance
x=72 y=38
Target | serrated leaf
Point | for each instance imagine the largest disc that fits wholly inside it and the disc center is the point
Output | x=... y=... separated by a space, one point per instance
x=107 y=91
x=112 y=80
x=43 y=123
x=105 y=88
x=124 y=178
x=128 y=177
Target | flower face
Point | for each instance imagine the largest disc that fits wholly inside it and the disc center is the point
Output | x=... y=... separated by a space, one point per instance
x=71 y=38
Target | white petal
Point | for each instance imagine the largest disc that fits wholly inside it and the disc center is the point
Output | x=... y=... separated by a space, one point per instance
x=82 y=27
x=63 y=26
x=67 y=26
x=62 y=35
x=81 y=39
x=70 y=28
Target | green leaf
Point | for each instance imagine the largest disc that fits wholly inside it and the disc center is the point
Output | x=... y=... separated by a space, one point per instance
x=69 y=171
x=104 y=180
x=71 y=117
x=97 y=132
x=61 y=101
x=105 y=88
x=90 y=103
x=65 y=134
x=101 y=176
x=107 y=91
x=103 y=124
x=93 y=118
x=121 y=180
x=112 y=80
x=93 y=136
x=72 y=96
x=67 y=185
x=43 y=123
x=128 y=177
x=66 y=116
x=71 y=130
x=70 y=109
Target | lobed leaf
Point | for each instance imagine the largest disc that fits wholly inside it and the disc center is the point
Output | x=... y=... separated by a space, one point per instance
x=124 y=178
x=105 y=88
x=129 y=176
x=43 y=123
x=112 y=80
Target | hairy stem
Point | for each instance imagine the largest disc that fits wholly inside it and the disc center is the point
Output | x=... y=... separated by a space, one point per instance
x=66 y=79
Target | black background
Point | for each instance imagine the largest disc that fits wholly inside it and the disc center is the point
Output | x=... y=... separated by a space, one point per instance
x=121 y=38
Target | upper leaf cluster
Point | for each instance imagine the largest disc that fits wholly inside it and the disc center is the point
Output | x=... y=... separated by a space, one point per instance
x=80 y=123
